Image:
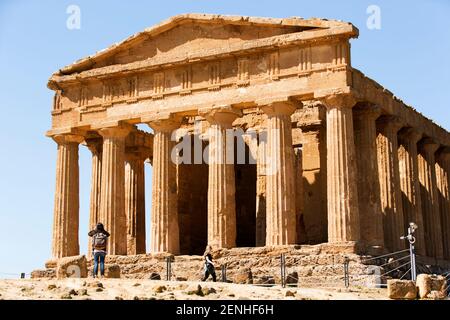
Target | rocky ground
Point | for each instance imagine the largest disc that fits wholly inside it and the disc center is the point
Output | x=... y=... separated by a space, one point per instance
x=132 y=289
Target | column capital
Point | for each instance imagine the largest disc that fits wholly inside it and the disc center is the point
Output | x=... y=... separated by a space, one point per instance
x=389 y=123
x=163 y=122
x=344 y=100
x=284 y=105
x=444 y=154
x=428 y=145
x=95 y=145
x=368 y=111
x=68 y=138
x=223 y=115
x=119 y=131
x=409 y=135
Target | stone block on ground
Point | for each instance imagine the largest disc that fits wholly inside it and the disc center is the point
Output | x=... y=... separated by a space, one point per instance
x=72 y=267
x=45 y=273
x=401 y=289
x=431 y=286
x=112 y=271
x=243 y=276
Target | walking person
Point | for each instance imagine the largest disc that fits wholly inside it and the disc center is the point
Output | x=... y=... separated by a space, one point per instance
x=209 y=269
x=99 y=244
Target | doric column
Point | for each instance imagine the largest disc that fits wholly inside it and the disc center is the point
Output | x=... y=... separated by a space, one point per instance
x=165 y=234
x=280 y=187
x=135 y=203
x=112 y=190
x=342 y=194
x=95 y=146
x=443 y=183
x=409 y=184
x=371 y=218
x=430 y=203
x=66 y=210
x=389 y=176
x=261 y=191
x=314 y=178
x=221 y=184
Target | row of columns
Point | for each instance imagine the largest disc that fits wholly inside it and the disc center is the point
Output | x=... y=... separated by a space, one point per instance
x=373 y=189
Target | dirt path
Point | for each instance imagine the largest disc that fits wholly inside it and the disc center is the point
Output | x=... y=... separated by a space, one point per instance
x=129 y=289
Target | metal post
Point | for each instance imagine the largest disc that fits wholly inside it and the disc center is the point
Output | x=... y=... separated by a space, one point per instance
x=283 y=270
x=413 y=261
x=224 y=273
x=346 y=275
x=411 y=239
x=168 y=268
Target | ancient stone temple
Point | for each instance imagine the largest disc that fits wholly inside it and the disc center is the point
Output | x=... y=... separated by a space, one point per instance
x=354 y=164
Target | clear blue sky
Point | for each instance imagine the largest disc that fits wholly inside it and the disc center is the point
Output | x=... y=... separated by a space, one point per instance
x=409 y=55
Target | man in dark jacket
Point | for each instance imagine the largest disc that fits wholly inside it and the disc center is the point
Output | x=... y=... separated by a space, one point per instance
x=99 y=244
x=209 y=268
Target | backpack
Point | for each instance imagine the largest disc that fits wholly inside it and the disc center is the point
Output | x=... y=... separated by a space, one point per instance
x=99 y=241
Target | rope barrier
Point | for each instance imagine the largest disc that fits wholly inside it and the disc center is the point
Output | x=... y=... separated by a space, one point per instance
x=386 y=255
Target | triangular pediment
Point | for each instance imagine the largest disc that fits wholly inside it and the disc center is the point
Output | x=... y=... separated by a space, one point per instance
x=185 y=35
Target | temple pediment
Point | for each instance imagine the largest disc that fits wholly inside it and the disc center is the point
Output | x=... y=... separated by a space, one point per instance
x=191 y=36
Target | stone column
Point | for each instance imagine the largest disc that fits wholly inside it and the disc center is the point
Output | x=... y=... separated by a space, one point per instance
x=430 y=203
x=112 y=190
x=443 y=183
x=280 y=188
x=371 y=218
x=314 y=178
x=409 y=184
x=389 y=176
x=165 y=234
x=342 y=194
x=135 y=203
x=261 y=191
x=221 y=184
x=95 y=146
x=66 y=210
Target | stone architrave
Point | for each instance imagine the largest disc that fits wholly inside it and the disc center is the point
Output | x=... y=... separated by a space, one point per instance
x=66 y=209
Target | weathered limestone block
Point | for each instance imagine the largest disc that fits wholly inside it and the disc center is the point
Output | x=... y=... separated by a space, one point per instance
x=431 y=286
x=72 y=267
x=45 y=273
x=243 y=276
x=401 y=289
x=112 y=271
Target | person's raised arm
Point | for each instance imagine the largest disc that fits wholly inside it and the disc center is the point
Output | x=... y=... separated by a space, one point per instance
x=92 y=232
